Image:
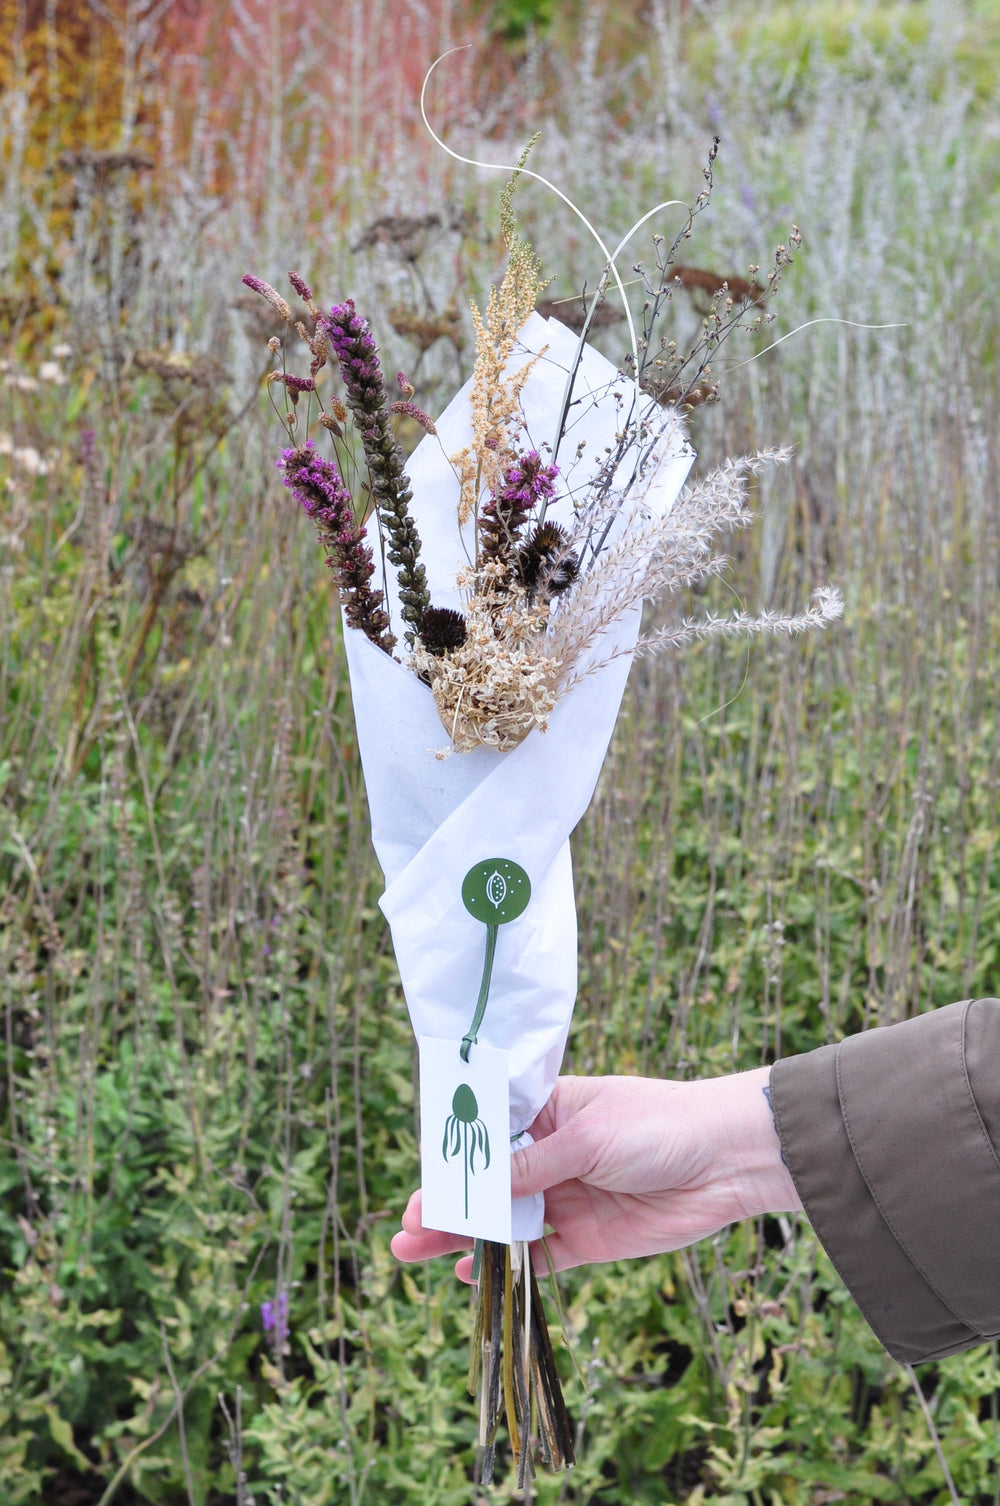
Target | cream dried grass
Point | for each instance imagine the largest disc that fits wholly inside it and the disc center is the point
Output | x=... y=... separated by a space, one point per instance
x=495 y=396
x=654 y=556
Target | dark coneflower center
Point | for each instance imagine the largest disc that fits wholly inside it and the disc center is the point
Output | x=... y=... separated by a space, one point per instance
x=441 y=630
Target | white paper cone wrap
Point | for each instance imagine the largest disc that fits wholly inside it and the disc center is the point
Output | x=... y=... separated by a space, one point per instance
x=523 y=806
x=432 y=819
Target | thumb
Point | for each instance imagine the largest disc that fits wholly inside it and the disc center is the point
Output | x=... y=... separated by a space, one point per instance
x=546 y=1163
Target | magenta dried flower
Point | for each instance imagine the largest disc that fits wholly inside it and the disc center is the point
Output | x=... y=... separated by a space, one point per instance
x=293 y=385
x=301 y=287
x=410 y=410
x=527 y=485
x=352 y=343
x=317 y=486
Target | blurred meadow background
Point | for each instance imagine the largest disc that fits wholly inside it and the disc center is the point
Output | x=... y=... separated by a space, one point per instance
x=207 y=1092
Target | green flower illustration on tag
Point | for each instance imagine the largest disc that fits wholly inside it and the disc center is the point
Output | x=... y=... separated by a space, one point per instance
x=465 y=1132
x=495 y=892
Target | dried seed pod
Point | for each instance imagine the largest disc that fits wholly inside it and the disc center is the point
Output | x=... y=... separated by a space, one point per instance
x=546 y=563
x=442 y=630
x=410 y=410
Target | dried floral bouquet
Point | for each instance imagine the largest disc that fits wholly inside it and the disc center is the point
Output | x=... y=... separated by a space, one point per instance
x=552 y=493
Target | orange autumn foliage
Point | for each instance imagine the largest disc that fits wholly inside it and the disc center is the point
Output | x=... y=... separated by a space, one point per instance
x=240 y=96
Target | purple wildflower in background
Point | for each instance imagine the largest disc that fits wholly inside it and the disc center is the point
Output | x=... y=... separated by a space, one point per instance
x=357 y=353
x=274 y=1320
x=317 y=486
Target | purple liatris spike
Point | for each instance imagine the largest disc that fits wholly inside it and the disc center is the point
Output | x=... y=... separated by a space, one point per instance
x=316 y=483
x=317 y=486
x=352 y=343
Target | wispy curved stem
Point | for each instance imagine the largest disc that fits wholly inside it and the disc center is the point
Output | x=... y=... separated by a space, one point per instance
x=610 y=268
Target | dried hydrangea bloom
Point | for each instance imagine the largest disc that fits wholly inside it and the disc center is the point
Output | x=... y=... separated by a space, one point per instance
x=499 y=684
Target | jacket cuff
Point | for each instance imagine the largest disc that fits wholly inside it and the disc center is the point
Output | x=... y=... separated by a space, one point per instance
x=891 y=1139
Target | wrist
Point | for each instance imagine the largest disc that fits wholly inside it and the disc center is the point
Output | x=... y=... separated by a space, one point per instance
x=751 y=1158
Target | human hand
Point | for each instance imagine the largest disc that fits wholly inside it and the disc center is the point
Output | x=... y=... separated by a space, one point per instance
x=636 y=1166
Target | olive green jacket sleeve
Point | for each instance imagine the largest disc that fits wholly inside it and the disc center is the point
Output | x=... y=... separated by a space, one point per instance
x=892 y=1138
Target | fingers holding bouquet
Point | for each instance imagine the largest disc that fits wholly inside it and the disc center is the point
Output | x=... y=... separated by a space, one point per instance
x=634 y=1166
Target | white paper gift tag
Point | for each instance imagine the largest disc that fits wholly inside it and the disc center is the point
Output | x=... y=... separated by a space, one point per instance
x=465 y=1140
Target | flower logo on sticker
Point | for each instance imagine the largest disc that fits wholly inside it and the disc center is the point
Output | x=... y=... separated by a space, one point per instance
x=467 y=1133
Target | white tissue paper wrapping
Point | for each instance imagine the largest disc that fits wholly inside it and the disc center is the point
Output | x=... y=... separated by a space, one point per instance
x=432 y=819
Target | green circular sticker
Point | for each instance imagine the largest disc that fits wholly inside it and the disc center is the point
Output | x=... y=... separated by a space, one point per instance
x=496 y=891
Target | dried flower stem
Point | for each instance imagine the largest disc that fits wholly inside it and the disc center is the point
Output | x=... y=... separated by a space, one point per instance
x=496 y=389
x=357 y=353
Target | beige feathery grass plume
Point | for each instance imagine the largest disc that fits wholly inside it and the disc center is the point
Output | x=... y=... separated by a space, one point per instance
x=496 y=389
x=654 y=557
x=650 y=556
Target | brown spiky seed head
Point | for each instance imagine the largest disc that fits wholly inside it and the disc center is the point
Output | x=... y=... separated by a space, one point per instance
x=442 y=630
x=547 y=562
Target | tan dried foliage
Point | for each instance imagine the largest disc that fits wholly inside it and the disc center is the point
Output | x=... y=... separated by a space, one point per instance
x=500 y=684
